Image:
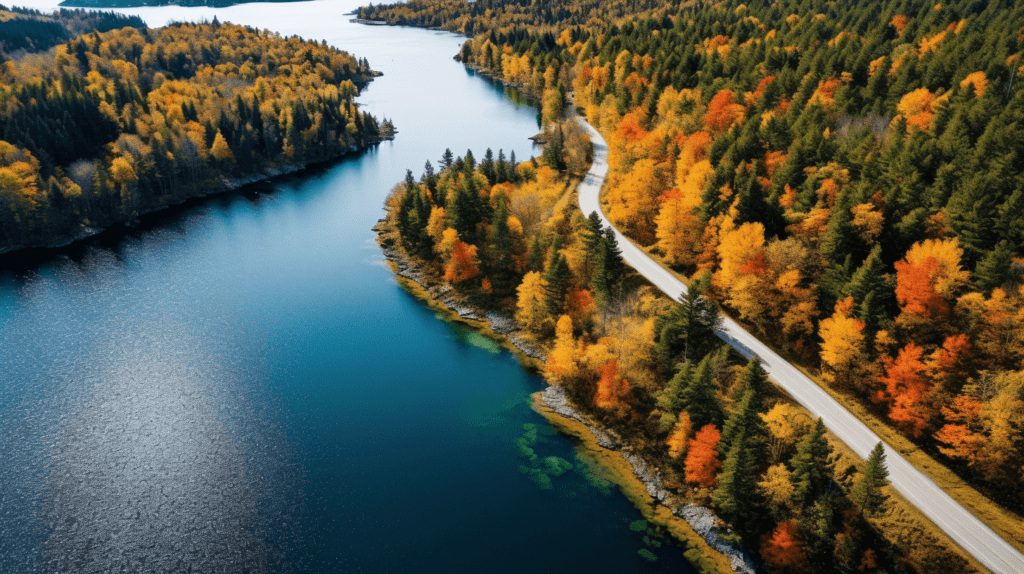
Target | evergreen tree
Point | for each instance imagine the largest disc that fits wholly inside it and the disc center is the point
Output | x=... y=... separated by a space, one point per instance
x=447 y=159
x=688 y=331
x=535 y=260
x=501 y=269
x=558 y=277
x=994 y=268
x=736 y=495
x=609 y=268
x=554 y=152
x=867 y=492
x=700 y=397
x=672 y=398
x=812 y=467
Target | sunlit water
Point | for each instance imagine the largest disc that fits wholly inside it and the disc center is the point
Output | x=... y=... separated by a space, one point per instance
x=240 y=385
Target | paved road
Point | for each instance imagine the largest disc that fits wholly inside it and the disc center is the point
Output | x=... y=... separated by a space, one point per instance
x=955 y=520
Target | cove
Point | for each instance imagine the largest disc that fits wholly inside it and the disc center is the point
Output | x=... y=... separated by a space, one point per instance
x=241 y=385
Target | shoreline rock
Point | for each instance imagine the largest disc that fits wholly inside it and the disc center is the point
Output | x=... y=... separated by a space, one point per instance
x=702 y=520
x=444 y=294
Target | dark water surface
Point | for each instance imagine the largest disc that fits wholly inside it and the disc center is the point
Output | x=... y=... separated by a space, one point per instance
x=241 y=385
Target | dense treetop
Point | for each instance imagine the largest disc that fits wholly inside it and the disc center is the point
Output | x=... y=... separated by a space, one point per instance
x=111 y=125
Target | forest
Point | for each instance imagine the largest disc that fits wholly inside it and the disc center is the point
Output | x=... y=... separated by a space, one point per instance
x=111 y=125
x=136 y=3
x=33 y=31
x=843 y=177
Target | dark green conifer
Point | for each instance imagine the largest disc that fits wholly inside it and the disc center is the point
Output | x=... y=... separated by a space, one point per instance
x=812 y=467
x=867 y=492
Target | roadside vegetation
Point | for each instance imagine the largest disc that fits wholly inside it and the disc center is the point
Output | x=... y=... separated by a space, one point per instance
x=838 y=176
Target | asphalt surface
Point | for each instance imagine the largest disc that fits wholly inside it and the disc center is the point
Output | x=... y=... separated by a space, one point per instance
x=962 y=526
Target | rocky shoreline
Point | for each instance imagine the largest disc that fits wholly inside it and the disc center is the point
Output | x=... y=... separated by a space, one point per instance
x=702 y=520
x=444 y=294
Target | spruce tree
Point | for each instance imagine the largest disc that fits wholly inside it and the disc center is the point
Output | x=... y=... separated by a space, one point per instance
x=994 y=268
x=812 y=469
x=687 y=332
x=535 y=260
x=700 y=398
x=447 y=159
x=501 y=270
x=868 y=277
x=671 y=399
x=558 y=277
x=736 y=494
x=867 y=492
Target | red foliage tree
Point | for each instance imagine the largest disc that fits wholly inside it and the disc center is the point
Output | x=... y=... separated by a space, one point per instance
x=914 y=289
x=463 y=264
x=611 y=388
x=702 y=463
x=783 y=550
x=905 y=389
x=723 y=112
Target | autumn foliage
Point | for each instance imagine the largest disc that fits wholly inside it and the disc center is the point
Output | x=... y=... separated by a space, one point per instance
x=783 y=549
x=906 y=388
x=611 y=388
x=702 y=458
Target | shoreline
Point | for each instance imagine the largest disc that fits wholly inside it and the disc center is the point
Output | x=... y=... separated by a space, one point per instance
x=220 y=185
x=694 y=527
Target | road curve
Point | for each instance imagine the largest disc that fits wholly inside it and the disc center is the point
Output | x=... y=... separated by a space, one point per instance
x=969 y=532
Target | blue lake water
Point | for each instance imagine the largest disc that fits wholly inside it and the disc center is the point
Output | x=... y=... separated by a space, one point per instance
x=240 y=385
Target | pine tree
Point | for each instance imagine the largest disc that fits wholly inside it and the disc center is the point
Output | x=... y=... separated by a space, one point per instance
x=671 y=398
x=700 y=398
x=558 y=277
x=994 y=268
x=867 y=492
x=812 y=469
x=447 y=159
x=501 y=269
x=688 y=331
x=736 y=494
x=535 y=260
x=744 y=420
x=609 y=268
x=868 y=277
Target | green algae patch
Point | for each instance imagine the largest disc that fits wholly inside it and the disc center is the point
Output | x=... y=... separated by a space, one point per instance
x=615 y=469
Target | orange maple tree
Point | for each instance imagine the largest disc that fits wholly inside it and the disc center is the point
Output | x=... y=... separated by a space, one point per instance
x=905 y=389
x=783 y=550
x=702 y=462
x=723 y=112
x=611 y=388
x=914 y=290
x=463 y=264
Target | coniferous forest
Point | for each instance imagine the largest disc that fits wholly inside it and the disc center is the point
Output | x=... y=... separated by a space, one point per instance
x=112 y=124
x=845 y=178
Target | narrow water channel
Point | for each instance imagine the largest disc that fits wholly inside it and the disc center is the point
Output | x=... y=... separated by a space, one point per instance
x=241 y=385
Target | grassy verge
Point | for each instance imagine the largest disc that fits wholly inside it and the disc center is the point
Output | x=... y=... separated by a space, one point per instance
x=707 y=560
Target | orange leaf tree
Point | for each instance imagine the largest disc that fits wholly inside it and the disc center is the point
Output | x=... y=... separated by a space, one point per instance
x=702 y=462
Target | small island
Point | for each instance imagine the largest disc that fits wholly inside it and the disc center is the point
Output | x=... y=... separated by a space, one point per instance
x=114 y=124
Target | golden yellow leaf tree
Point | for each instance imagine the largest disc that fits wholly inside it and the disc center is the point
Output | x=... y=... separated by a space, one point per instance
x=842 y=343
x=680 y=436
x=531 y=302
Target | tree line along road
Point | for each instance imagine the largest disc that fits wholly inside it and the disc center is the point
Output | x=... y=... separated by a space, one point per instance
x=955 y=520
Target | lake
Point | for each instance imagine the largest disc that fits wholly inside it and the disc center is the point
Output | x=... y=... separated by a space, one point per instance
x=240 y=385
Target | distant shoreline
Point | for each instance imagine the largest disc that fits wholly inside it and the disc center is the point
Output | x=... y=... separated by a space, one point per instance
x=107 y=4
